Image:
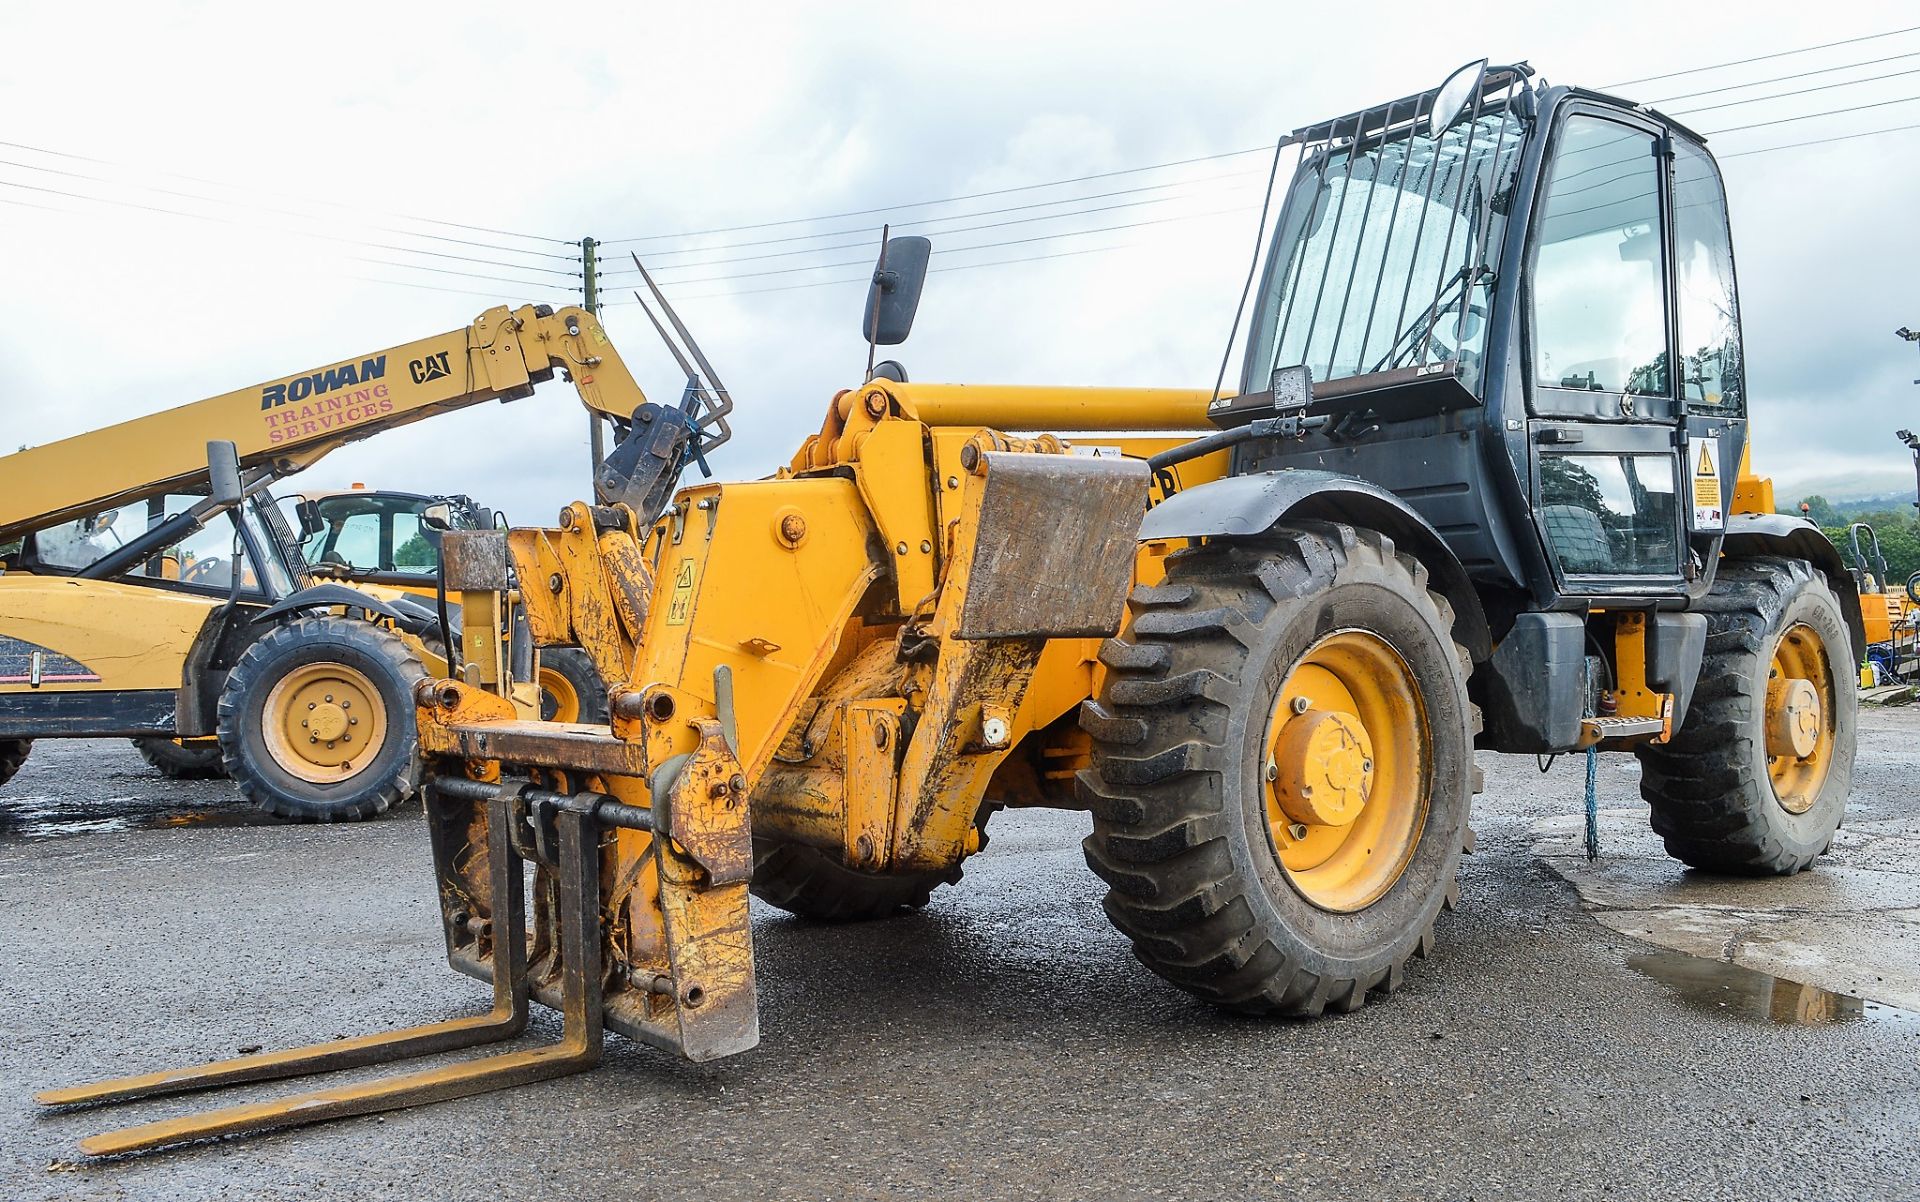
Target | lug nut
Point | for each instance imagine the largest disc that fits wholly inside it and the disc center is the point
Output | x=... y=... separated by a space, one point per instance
x=1301 y=705
x=1297 y=831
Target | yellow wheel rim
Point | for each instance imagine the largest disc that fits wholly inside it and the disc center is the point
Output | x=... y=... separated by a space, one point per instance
x=1347 y=771
x=324 y=722
x=1799 y=721
x=559 y=700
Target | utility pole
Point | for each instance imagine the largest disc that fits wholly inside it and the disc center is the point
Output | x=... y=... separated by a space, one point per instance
x=590 y=299
x=590 y=275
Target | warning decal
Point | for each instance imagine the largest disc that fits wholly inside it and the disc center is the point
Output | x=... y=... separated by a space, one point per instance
x=1709 y=510
x=680 y=605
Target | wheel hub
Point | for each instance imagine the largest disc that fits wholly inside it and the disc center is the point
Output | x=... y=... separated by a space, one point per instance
x=1324 y=768
x=327 y=722
x=323 y=722
x=1793 y=717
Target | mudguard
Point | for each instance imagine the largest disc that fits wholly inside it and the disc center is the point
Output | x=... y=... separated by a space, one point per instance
x=1245 y=506
x=326 y=596
x=1750 y=534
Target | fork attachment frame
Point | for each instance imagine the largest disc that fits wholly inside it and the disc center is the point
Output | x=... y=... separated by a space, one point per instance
x=498 y=922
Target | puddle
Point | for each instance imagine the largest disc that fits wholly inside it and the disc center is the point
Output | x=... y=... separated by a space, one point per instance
x=38 y=816
x=1734 y=990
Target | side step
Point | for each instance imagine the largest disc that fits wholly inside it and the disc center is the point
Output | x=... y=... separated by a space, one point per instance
x=1596 y=730
x=577 y=823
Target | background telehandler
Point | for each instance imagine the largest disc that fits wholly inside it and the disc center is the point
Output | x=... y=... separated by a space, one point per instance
x=391 y=539
x=1483 y=484
x=151 y=593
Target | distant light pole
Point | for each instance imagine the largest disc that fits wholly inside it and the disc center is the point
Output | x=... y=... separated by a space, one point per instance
x=1907 y=335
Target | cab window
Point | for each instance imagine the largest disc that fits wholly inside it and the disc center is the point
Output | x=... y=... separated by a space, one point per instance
x=1711 y=380
x=1598 y=284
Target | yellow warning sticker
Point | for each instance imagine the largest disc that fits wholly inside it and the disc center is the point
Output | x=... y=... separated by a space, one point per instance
x=680 y=605
x=1709 y=512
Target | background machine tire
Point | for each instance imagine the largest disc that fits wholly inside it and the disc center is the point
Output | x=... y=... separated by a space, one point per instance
x=808 y=882
x=13 y=753
x=1720 y=799
x=305 y=679
x=570 y=688
x=1200 y=774
x=191 y=759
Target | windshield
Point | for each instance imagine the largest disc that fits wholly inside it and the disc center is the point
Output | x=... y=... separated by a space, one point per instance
x=375 y=533
x=1376 y=247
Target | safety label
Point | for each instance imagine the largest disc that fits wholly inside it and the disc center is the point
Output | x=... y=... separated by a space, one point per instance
x=1709 y=507
x=680 y=605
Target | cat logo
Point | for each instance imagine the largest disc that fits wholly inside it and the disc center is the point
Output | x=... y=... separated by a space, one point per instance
x=433 y=367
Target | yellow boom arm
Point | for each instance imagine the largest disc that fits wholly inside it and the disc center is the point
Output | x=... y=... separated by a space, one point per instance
x=289 y=423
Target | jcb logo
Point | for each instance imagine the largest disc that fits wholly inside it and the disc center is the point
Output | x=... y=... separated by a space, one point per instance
x=433 y=367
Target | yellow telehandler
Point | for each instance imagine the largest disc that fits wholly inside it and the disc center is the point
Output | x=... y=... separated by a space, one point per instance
x=1483 y=483
x=153 y=589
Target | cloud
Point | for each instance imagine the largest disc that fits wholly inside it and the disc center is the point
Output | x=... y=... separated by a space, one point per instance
x=623 y=121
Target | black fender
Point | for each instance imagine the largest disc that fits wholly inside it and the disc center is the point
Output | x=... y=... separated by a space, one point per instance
x=1251 y=505
x=327 y=596
x=1784 y=534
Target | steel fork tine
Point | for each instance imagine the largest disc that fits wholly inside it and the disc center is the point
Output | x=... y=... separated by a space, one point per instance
x=579 y=1048
x=504 y=1021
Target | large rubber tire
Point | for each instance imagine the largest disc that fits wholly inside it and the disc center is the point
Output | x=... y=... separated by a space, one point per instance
x=578 y=694
x=1177 y=788
x=806 y=881
x=13 y=753
x=1713 y=799
x=190 y=760
x=390 y=774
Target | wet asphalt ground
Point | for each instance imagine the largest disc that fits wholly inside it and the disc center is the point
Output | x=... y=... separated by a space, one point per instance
x=1001 y=1044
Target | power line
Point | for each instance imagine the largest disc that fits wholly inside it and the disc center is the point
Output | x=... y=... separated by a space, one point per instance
x=1865 y=133
x=1761 y=58
x=903 y=225
x=1734 y=129
x=481 y=229
x=294 y=213
x=921 y=204
x=1065 y=254
x=219 y=220
x=874 y=239
x=1754 y=83
x=745 y=275
x=1845 y=83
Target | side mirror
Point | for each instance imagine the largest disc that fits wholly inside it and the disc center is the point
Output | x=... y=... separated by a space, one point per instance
x=894 y=295
x=223 y=470
x=437 y=516
x=309 y=514
x=1453 y=97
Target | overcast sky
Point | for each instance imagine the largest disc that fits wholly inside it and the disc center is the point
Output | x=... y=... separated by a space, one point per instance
x=637 y=120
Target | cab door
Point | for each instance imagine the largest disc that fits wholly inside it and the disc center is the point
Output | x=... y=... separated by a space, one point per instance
x=1628 y=434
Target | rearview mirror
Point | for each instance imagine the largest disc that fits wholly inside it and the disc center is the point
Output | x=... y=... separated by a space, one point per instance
x=1454 y=96
x=894 y=295
x=223 y=471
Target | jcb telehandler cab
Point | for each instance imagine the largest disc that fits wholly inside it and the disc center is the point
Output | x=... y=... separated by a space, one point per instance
x=1483 y=484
